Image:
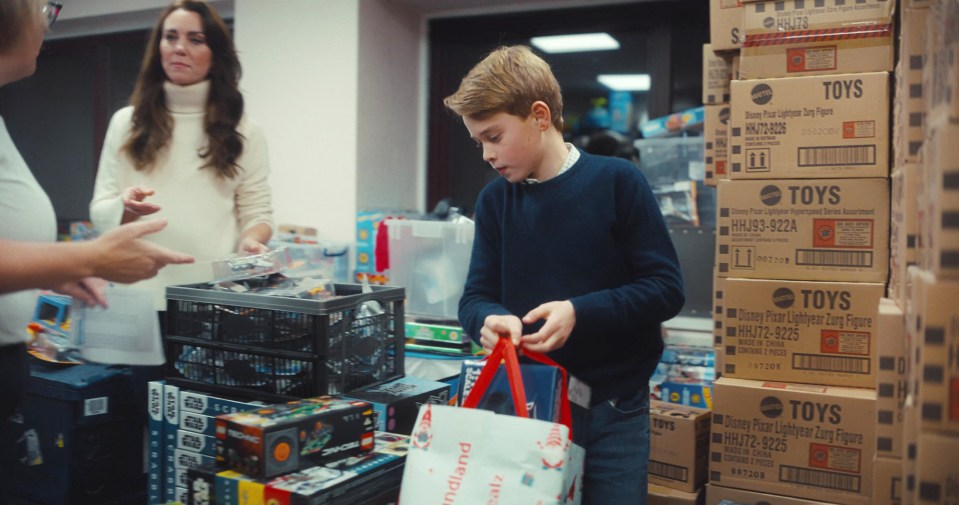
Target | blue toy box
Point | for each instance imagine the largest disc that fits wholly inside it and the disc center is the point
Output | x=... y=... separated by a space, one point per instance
x=543 y=386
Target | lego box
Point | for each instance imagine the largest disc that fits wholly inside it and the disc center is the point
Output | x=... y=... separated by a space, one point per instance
x=283 y=438
x=801 y=440
x=802 y=331
x=816 y=229
x=799 y=37
x=679 y=446
x=396 y=403
x=810 y=127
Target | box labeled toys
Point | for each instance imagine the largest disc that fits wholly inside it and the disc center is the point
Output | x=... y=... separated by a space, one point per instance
x=283 y=438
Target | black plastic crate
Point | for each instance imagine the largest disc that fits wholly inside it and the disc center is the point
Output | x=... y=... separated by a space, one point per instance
x=278 y=348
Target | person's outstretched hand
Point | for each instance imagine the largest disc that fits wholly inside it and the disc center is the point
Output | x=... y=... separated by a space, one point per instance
x=134 y=205
x=90 y=290
x=250 y=245
x=560 y=319
x=120 y=255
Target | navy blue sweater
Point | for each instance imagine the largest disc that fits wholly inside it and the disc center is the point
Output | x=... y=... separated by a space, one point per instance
x=593 y=235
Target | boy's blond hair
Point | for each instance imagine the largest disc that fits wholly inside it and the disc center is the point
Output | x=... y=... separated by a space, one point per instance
x=508 y=80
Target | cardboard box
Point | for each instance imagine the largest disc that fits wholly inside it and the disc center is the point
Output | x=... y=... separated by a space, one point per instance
x=719 y=308
x=679 y=446
x=937 y=473
x=725 y=24
x=939 y=201
x=938 y=367
x=814 y=442
x=810 y=127
x=716 y=137
x=396 y=403
x=817 y=229
x=886 y=481
x=717 y=71
x=802 y=331
x=797 y=37
x=716 y=494
x=662 y=495
x=909 y=115
x=286 y=437
x=891 y=380
x=942 y=61
x=903 y=228
x=910 y=431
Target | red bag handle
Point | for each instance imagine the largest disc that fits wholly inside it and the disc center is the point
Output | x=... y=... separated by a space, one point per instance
x=503 y=351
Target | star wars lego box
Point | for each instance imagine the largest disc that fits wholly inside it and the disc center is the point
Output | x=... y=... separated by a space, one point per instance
x=802 y=440
x=396 y=403
x=283 y=438
x=801 y=37
x=815 y=229
x=810 y=127
x=802 y=331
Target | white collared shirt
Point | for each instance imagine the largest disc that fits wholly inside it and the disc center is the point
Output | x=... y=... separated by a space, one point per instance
x=571 y=159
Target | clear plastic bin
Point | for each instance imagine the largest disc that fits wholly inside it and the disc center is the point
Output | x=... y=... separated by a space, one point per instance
x=669 y=160
x=430 y=259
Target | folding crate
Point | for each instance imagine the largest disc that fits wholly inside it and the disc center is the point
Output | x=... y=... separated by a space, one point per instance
x=277 y=348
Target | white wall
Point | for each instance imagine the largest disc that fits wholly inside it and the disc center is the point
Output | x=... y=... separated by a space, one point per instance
x=391 y=161
x=300 y=83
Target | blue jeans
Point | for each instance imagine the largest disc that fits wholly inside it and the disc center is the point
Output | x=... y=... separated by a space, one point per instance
x=615 y=434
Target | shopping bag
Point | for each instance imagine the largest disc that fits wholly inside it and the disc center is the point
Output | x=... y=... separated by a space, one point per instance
x=464 y=455
x=542 y=383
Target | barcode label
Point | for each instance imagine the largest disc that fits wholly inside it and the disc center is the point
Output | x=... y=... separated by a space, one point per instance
x=95 y=406
x=823 y=363
x=819 y=478
x=834 y=258
x=836 y=155
x=667 y=471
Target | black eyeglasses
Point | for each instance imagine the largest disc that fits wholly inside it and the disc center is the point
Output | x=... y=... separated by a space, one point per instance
x=51 y=11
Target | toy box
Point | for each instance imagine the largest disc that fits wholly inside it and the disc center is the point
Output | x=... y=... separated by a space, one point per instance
x=679 y=445
x=315 y=258
x=277 y=348
x=396 y=403
x=686 y=391
x=543 y=385
x=283 y=438
x=80 y=441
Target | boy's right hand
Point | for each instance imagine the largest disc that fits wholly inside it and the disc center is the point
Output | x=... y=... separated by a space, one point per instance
x=120 y=255
x=496 y=326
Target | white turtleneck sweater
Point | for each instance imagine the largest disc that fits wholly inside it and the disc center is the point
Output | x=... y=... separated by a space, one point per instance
x=206 y=213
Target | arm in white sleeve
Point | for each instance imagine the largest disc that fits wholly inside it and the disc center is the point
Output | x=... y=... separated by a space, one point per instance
x=106 y=208
x=254 y=204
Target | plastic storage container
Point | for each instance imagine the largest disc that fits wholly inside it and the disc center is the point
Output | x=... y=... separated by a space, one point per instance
x=669 y=160
x=277 y=348
x=320 y=259
x=82 y=440
x=430 y=259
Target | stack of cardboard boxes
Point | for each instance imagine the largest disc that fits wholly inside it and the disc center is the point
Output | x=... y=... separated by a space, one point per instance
x=802 y=250
x=924 y=281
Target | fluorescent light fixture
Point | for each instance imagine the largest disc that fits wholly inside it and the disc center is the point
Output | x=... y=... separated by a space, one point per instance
x=575 y=43
x=625 y=82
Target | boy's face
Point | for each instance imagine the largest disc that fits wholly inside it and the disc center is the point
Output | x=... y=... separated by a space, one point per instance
x=512 y=145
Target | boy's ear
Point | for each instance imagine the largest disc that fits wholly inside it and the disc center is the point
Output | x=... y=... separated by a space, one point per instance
x=541 y=113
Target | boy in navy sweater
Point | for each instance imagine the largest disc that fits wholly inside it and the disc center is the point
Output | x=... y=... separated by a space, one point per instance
x=571 y=258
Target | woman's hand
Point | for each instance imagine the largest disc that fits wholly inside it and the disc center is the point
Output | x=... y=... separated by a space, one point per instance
x=249 y=245
x=134 y=205
x=90 y=290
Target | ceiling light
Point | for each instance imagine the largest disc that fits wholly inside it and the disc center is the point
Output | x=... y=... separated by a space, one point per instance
x=575 y=43
x=625 y=82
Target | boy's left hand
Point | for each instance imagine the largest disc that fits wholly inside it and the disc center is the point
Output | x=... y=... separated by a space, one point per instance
x=560 y=319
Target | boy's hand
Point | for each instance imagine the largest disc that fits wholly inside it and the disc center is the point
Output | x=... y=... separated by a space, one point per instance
x=496 y=326
x=560 y=320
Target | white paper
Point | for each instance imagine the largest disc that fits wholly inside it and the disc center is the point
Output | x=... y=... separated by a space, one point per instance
x=126 y=332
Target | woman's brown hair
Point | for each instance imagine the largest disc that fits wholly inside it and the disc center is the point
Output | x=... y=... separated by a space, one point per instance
x=152 y=123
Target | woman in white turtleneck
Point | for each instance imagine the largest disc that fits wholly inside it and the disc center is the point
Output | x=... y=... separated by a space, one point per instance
x=184 y=150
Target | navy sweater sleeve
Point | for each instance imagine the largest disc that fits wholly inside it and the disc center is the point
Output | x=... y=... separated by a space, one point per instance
x=593 y=235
